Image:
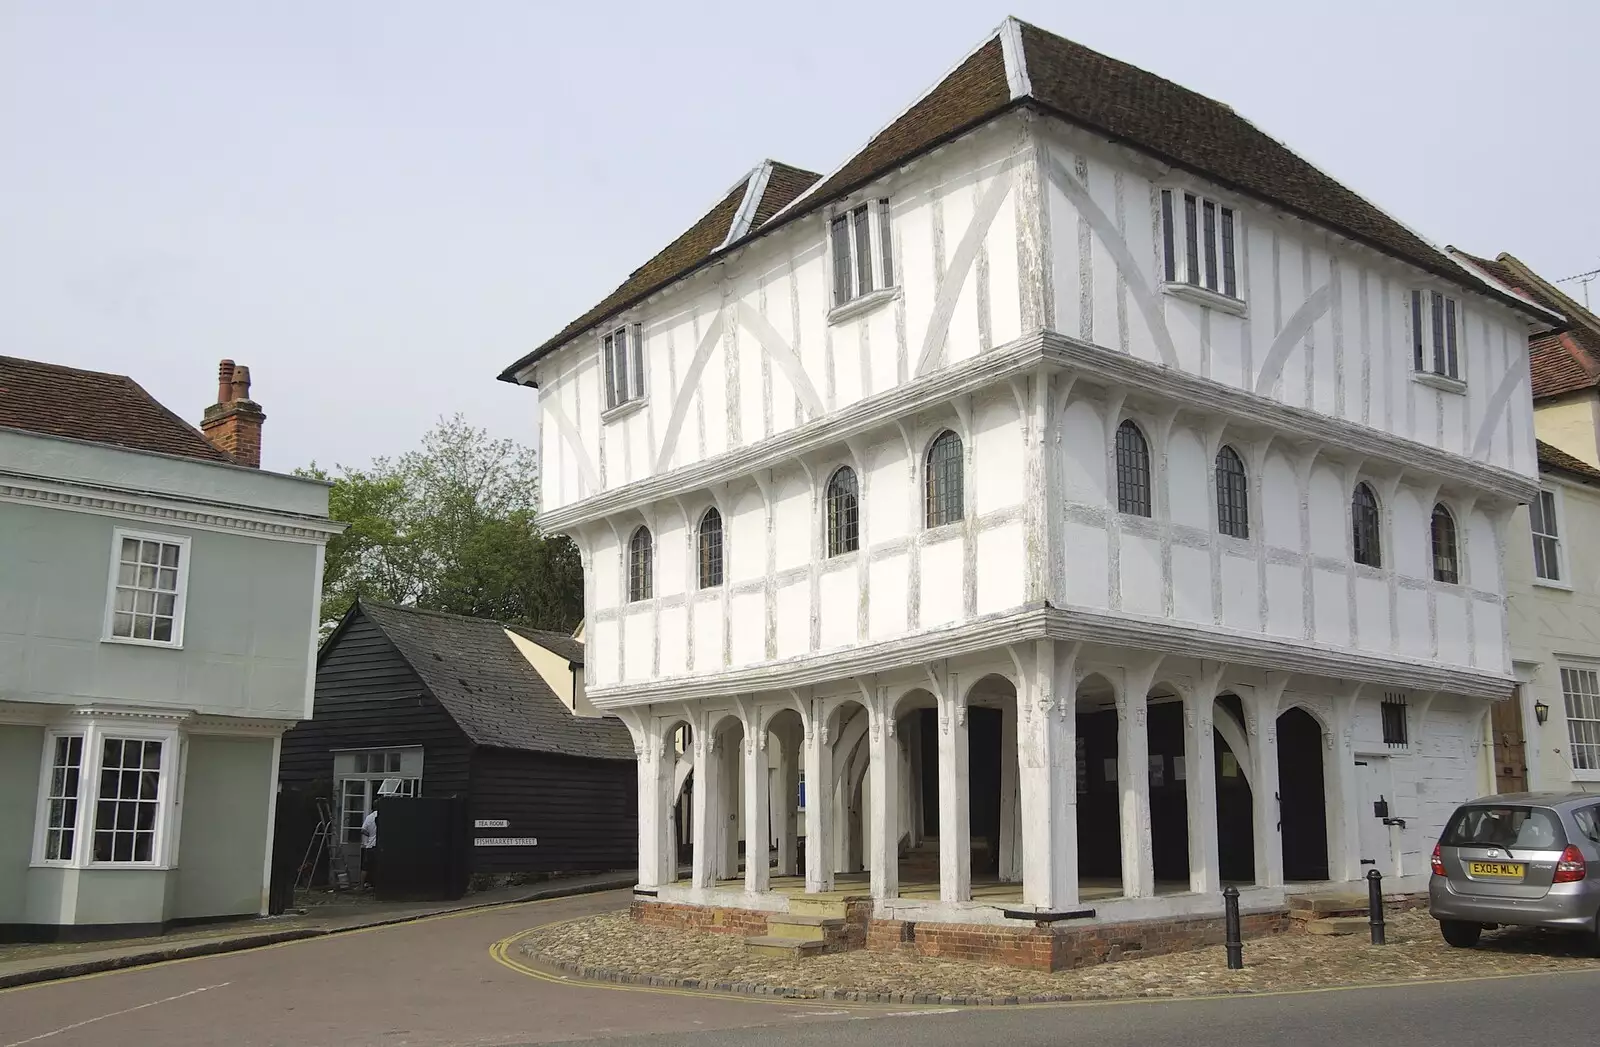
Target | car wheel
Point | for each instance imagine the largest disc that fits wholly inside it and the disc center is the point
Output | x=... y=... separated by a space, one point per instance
x=1459 y=934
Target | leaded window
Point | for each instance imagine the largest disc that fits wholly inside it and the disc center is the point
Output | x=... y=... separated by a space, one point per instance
x=1368 y=547
x=844 y=512
x=1433 y=333
x=1233 y=494
x=641 y=565
x=1133 y=471
x=710 y=549
x=1197 y=246
x=944 y=499
x=1446 y=563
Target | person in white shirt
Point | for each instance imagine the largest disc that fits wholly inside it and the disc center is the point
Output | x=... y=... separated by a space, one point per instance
x=369 y=844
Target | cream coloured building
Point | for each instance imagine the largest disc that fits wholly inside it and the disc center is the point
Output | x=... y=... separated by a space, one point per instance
x=1549 y=738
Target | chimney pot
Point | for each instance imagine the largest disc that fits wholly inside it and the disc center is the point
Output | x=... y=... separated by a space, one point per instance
x=233 y=423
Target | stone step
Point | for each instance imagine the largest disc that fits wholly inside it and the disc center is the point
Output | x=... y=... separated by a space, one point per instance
x=1337 y=925
x=801 y=928
x=1325 y=904
x=828 y=908
x=781 y=948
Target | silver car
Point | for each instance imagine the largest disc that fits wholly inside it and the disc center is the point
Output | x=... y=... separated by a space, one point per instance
x=1518 y=859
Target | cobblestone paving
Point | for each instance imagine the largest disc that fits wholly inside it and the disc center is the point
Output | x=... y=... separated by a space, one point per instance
x=614 y=943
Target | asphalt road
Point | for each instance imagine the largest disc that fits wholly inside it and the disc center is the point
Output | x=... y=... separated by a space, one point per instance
x=439 y=982
x=429 y=983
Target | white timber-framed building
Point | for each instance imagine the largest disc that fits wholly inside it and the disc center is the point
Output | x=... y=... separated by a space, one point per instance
x=1074 y=483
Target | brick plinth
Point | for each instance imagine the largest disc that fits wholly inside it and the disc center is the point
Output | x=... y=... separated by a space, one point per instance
x=1040 y=948
x=749 y=923
x=1059 y=948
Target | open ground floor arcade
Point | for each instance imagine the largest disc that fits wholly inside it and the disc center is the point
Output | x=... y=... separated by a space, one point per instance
x=1047 y=782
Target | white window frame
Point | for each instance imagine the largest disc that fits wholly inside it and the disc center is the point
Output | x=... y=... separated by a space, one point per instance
x=1210 y=262
x=1436 y=353
x=163 y=847
x=410 y=775
x=631 y=390
x=883 y=278
x=1592 y=672
x=179 y=605
x=1559 y=512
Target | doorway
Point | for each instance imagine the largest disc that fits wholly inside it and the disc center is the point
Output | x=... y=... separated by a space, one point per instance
x=1302 y=806
x=1510 y=745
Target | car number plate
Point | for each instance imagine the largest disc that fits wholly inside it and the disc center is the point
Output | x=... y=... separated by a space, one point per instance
x=1497 y=870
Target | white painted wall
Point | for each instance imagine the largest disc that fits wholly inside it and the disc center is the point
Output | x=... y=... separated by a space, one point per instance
x=746 y=352
x=1351 y=359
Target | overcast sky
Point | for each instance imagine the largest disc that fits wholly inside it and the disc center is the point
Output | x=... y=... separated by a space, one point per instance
x=377 y=205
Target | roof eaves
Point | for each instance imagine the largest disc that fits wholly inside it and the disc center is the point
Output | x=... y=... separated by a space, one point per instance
x=1470 y=263
x=1571 y=311
x=755 y=186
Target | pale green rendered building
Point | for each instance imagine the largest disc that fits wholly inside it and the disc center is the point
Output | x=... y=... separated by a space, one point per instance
x=158 y=622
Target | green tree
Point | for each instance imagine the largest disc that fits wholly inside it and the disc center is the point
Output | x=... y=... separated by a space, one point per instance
x=450 y=526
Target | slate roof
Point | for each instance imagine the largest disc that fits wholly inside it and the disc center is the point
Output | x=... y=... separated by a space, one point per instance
x=92 y=405
x=1552 y=457
x=488 y=687
x=1563 y=361
x=1108 y=97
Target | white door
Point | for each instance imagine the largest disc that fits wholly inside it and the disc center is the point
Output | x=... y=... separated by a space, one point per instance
x=1375 y=788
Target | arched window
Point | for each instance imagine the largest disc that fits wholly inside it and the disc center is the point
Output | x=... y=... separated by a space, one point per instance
x=1233 y=494
x=844 y=512
x=1133 y=471
x=1364 y=527
x=641 y=565
x=944 y=494
x=711 y=549
x=1446 y=566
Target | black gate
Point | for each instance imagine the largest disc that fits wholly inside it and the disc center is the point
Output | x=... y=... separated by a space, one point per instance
x=423 y=848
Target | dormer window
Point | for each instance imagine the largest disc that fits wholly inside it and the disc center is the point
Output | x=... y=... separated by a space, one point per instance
x=1434 y=320
x=863 y=257
x=1198 y=242
x=622 y=354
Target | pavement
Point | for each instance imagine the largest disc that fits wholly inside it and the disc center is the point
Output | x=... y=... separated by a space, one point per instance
x=453 y=980
x=30 y=963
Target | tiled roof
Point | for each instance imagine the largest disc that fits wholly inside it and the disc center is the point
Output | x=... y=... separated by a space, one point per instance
x=1565 y=361
x=1108 y=97
x=697 y=243
x=91 y=405
x=488 y=687
x=1552 y=457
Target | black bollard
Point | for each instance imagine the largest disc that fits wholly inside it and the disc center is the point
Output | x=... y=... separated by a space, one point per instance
x=1230 y=908
x=1375 y=905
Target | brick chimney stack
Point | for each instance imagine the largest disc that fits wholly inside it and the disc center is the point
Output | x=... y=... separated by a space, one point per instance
x=233 y=423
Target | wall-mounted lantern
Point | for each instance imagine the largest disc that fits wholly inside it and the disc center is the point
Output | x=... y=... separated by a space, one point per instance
x=1541 y=712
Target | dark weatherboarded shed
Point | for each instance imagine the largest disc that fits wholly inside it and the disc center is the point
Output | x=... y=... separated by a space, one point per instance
x=451 y=707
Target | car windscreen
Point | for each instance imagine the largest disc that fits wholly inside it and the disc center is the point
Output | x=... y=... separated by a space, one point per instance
x=1528 y=828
